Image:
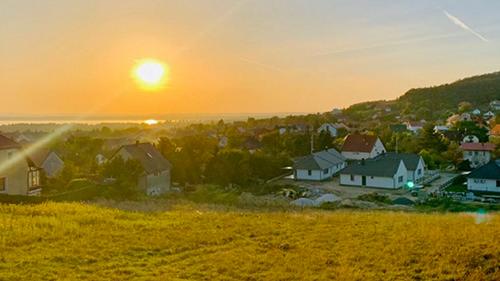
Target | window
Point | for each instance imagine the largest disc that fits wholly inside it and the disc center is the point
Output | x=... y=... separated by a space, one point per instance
x=309 y=172
x=33 y=178
x=3 y=184
x=325 y=171
x=400 y=179
x=352 y=177
x=371 y=177
x=419 y=172
x=498 y=183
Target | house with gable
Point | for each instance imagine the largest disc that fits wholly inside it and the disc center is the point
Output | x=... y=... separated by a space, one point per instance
x=156 y=175
x=357 y=147
x=318 y=166
x=18 y=174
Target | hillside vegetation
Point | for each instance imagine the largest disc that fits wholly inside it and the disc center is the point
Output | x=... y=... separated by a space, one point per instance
x=478 y=90
x=437 y=102
x=74 y=241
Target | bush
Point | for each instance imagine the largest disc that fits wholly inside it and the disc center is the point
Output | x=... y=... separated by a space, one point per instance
x=375 y=197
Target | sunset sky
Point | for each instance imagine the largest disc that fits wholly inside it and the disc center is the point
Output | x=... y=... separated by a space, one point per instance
x=229 y=56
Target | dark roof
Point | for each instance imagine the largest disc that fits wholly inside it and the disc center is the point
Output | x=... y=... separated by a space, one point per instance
x=39 y=156
x=150 y=158
x=6 y=143
x=319 y=160
x=360 y=143
x=489 y=171
x=402 y=201
x=410 y=159
x=379 y=167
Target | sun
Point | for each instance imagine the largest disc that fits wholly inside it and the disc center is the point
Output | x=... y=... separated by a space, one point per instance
x=150 y=74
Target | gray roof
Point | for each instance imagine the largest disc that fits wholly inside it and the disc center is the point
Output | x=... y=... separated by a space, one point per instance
x=150 y=158
x=319 y=160
x=410 y=159
x=378 y=167
x=489 y=171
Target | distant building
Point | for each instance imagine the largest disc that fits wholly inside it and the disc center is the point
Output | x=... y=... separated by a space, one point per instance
x=478 y=154
x=441 y=128
x=470 y=138
x=383 y=172
x=100 y=159
x=329 y=128
x=357 y=147
x=476 y=112
x=488 y=115
x=414 y=127
x=318 y=166
x=485 y=178
x=49 y=161
x=156 y=175
x=18 y=174
x=495 y=105
x=223 y=141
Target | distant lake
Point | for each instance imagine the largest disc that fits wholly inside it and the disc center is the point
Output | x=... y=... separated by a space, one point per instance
x=95 y=120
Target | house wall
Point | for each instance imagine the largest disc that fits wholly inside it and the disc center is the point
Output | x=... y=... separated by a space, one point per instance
x=52 y=165
x=318 y=175
x=16 y=175
x=329 y=128
x=477 y=158
x=155 y=184
x=413 y=174
x=356 y=155
x=484 y=185
x=152 y=184
x=378 y=149
x=378 y=182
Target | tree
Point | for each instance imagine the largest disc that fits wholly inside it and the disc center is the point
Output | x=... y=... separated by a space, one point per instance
x=431 y=140
x=464 y=106
x=323 y=141
x=126 y=173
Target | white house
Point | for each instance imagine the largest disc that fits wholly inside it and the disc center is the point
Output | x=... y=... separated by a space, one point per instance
x=414 y=164
x=495 y=105
x=155 y=178
x=329 y=128
x=383 y=172
x=476 y=112
x=470 y=138
x=488 y=115
x=223 y=141
x=485 y=179
x=478 y=154
x=414 y=127
x=18 y=174
x=321 y=165
x=357 y=147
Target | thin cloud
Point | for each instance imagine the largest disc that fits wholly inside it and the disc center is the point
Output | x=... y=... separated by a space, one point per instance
x=463 y=26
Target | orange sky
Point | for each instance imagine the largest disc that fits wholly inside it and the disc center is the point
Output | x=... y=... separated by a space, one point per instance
x=74 y=57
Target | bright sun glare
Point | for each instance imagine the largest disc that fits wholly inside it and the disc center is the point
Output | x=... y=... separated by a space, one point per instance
x=150 y=74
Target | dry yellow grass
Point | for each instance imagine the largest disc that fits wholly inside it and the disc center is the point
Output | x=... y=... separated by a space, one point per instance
x=75 y=241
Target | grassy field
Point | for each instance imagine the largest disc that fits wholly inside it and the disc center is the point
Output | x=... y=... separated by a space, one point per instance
x=72 y=241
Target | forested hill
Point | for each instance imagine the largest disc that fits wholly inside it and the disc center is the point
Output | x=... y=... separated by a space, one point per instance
x=478 y=90
x=435 y=103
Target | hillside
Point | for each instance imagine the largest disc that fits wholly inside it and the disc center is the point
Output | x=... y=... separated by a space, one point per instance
x=478 y=90
x=75 y=241
x=438 y=102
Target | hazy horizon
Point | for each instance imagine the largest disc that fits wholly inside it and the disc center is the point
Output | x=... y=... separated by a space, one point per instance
x=233 y=57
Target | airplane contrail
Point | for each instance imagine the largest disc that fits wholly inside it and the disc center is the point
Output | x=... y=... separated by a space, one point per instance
x=462 y=25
